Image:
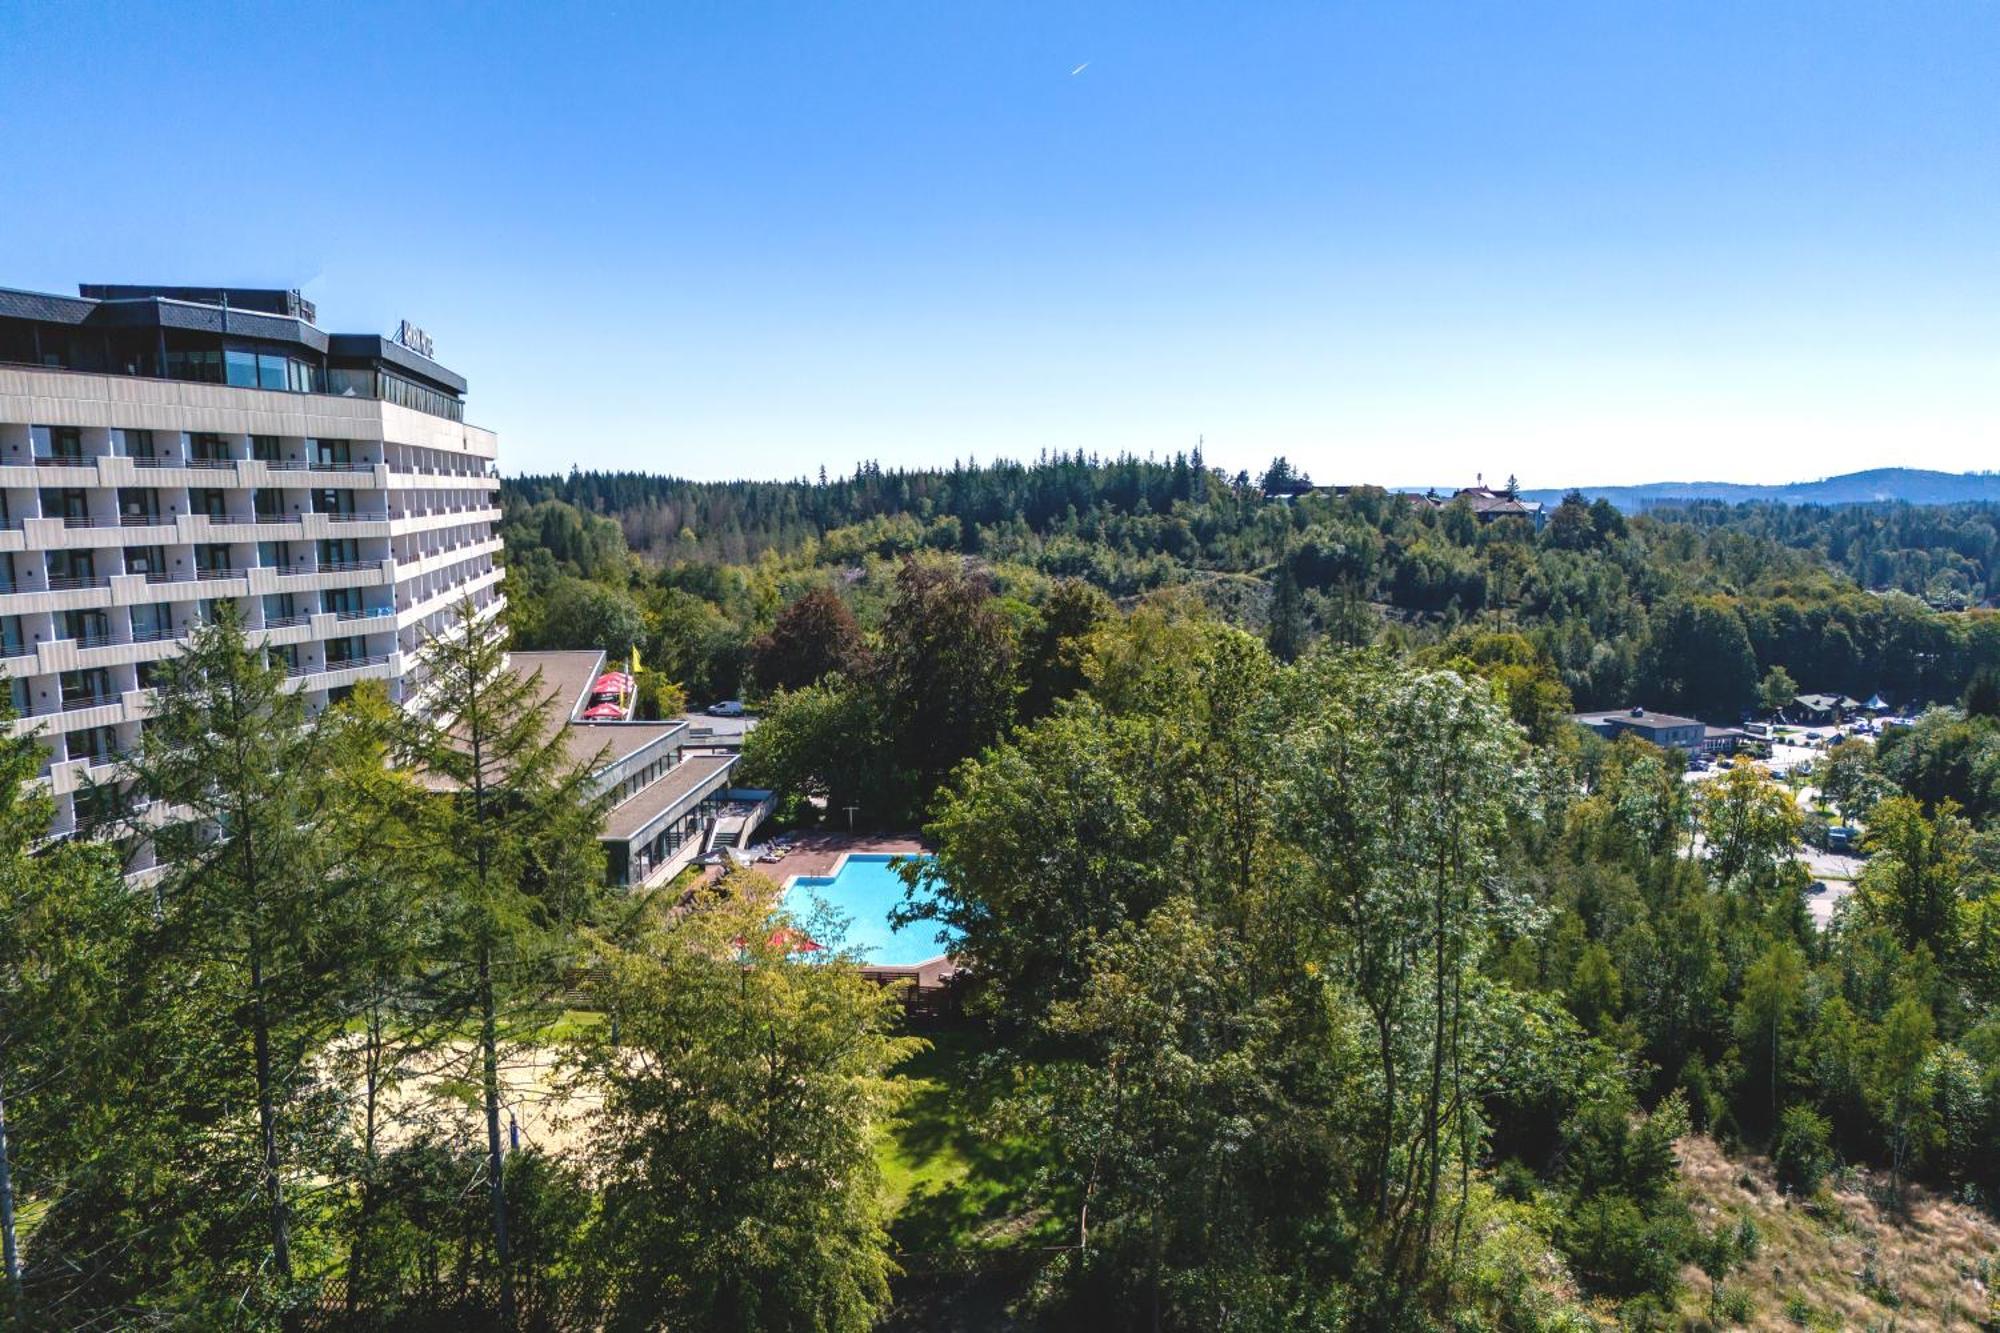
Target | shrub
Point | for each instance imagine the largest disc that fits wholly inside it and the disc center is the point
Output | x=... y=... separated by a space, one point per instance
x=1803 y=1149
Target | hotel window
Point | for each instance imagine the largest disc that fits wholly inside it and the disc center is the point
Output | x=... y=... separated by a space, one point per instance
x=88 y=628
x=206 y=446
x=283 y=655
x=145 y=560
x=211 y=558
x=214 y=503
x=203 y=365
x=274 y=555
x=65 y=442
x=97 y=744
x=152 y=621
x=90 y=685
x=240 y=367
x=65 y=505
x=6 y=571
x=17 y=695
x=71 y=569
x=339 y=551
x=332 y=500
x=138 y=444
x=279 y=608
x=10 y=637
x=138 y=505
x=339 y=652
x=268 y=504
x=334 y=451
x=264 y=448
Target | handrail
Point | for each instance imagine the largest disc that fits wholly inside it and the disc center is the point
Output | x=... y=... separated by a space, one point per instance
x=88 y=701
x=66 y=460
x=373 y=659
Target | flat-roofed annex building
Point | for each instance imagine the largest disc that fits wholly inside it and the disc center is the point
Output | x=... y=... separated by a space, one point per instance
x=163 y=450
x=1662 y=729
x=670 y=797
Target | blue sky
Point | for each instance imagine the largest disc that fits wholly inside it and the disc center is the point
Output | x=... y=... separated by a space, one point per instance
x=1591 y=243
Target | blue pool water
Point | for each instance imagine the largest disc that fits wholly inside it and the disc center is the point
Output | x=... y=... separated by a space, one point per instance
x=864 y=892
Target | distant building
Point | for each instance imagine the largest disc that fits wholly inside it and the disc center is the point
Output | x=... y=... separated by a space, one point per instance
x=1488 y=504
x=1724 y=740
x=1821 y=710
x=1662 y=729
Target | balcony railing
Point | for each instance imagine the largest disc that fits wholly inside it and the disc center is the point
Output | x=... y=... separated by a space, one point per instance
x=103 y=639
x=213 y=464
x=157 y=460
x=287 y=622
x=346 y=664
x=83 y=701
x=154 y=634
x=366 y=613
x=296 y=465
x=65 y=460
x=337 y=517
x=345 y=566
x=89 y=521
x=72 y=582
x=142 y=520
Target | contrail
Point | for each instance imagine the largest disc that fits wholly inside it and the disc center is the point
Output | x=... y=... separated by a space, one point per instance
x=1079 y=69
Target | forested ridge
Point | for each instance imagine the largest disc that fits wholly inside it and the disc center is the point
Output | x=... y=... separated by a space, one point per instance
x=1688 y=609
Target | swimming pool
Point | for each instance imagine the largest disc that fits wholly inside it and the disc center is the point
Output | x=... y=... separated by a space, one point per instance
x=860 y=893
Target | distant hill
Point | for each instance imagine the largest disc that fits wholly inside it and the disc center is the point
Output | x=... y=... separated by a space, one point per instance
x=1913 y=485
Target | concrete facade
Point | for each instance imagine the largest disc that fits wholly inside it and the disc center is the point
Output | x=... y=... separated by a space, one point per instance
x=344 y=528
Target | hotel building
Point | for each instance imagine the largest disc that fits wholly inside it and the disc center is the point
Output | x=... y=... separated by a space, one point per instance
x=163 y=450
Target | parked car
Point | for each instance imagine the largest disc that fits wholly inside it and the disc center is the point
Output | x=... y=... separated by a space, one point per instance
x=726 y=708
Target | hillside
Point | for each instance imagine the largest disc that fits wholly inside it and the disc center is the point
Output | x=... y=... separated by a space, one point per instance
x=1844 y=1260
x=1912 y=485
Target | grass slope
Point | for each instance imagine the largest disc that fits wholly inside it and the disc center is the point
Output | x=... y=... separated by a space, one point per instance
x=1846 y=1259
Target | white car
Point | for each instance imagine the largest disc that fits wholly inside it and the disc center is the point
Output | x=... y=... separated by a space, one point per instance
x=726 y=708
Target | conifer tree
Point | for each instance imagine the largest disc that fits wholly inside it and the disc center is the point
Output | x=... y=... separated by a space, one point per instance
x=244 y=789
x=515 y=831
x=65 y=920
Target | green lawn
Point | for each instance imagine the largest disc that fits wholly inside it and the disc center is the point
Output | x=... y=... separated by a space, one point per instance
x=960 y=1194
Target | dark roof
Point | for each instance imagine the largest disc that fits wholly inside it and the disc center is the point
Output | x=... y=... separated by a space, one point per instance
x=684 y=781
x=1638 y=719
x=269 y=314
x=372 y=347
x=270 y=300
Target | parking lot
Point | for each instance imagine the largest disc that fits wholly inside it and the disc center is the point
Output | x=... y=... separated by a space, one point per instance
x=1794 y=749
